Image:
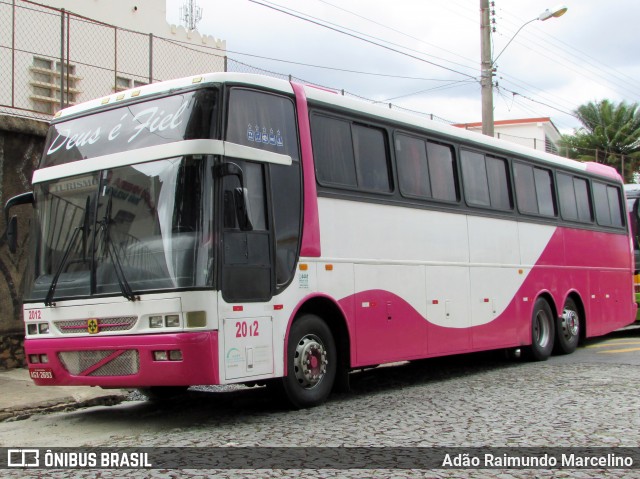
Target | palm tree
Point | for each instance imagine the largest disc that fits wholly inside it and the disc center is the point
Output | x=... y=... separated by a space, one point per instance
x=610 y=134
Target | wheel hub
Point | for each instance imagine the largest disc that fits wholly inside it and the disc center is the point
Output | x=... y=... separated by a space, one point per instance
x=570 y=323
x=542 y=328
x=310 y=361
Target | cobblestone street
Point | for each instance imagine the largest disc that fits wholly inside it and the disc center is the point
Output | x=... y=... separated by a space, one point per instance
x=588 y=399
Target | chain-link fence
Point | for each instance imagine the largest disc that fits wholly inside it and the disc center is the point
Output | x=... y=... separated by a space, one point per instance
x=50 y=59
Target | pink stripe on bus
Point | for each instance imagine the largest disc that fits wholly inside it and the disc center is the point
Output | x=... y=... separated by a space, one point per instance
x=310 y=246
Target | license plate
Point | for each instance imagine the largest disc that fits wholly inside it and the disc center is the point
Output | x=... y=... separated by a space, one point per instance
x=41 y=373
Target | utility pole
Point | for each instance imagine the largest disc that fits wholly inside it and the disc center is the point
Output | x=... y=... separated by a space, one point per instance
x=486 y=79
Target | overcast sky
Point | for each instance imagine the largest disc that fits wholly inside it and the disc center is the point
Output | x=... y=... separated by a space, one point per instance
x=429 y=60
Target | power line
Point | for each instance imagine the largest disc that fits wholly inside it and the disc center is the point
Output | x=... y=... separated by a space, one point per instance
x=440 y=87
x=358 y=37
x=405 y=34
x=596 y=69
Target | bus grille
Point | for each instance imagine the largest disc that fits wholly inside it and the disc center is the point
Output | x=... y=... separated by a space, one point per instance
x=82 y=363
x=118 y=323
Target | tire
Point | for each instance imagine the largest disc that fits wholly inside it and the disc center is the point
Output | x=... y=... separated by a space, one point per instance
x=567 y=329
x=543 y=327
x=311 y=362
x=163 y=393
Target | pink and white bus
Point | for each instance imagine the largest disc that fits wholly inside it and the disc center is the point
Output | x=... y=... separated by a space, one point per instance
x=232 y=228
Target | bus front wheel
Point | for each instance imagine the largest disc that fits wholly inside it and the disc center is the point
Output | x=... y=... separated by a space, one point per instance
x=311 y=362
x=543 y=327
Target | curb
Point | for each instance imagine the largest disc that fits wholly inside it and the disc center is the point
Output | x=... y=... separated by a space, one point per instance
x=60 y=405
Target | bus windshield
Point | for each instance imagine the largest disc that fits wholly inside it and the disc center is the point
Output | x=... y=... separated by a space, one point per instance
x=136 y=228
x=128 y=229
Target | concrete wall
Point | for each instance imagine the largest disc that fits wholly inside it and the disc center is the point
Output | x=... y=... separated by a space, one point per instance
x=21 y=143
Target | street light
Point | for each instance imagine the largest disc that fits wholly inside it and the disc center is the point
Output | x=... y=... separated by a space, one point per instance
x=488 y=63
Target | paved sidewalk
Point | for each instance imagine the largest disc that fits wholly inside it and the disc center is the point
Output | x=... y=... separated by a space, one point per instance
x=21 y=398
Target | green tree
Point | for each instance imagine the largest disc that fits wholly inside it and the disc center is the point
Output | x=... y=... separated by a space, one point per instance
x=610 y=134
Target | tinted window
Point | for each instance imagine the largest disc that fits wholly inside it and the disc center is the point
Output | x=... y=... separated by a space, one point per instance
x=617 y=218
x=544 y=192
x=351 y=155
x=262 y=120
x=567 y=197
x=498 y=178
x=182 y=116
x=442 y=172
x=474 y=178
x=333 y=151
x=534 y=190
x=583 y=201
x=413 y=171
x=267 y=121
x=370 y=152
x=486 y=182
x=607 y=202
x=573 y=194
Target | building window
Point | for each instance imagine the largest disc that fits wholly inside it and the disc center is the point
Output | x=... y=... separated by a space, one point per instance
x=124 y=83
x=45 y=85
x=549 y=145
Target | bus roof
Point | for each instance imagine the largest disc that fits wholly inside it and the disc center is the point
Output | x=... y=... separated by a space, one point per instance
x=334 y=99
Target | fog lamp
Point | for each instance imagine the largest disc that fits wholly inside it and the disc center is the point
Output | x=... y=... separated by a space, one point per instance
x=160 y=355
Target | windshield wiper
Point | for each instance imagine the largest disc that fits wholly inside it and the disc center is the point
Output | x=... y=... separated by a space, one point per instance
x=84 y=229
x=48 y=300
x=105 y=227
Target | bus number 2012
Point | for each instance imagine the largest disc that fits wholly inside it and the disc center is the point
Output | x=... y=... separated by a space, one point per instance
x=244 y=329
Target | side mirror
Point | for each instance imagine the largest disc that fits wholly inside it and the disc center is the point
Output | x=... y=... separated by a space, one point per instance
x=12 y=234
x=240 y=195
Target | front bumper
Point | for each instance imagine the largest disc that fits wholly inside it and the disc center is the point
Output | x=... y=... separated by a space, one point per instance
x=125 y=361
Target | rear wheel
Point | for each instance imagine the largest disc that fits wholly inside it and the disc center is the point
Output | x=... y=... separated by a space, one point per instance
x=567 y=329
x=311 y=362
x=542 y=331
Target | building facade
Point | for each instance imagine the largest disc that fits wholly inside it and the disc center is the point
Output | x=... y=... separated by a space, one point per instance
x=536 y=133
x=55 y=53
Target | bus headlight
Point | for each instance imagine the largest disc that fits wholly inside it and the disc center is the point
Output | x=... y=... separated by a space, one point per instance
x=172 y=321
x=155 y=321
